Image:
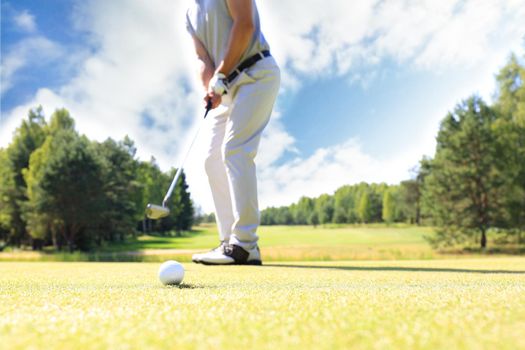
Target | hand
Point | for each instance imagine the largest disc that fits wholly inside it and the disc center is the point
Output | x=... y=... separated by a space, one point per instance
x=217 y=84
x=215 y=99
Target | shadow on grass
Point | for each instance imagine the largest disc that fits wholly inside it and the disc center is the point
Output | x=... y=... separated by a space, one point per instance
x=396 y=268
x=151 y=240
x=173 y=234
x=187 y=286
x=502 y=250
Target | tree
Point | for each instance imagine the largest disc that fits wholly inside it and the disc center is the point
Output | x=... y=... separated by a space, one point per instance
x=120 y=190
x=268 y=216
x=389 y=207
x=324 y=206
x=376 y=192
x=182 y=206
x=313 y=219
x=510 y=132
x=57 y=187
x=364 y=207
x=410 y=200
x=6 y=183
x=66 y=190
x=154 y=183
x=13 y=189
x=463 y=189
x=302 y=211
x=344 y=203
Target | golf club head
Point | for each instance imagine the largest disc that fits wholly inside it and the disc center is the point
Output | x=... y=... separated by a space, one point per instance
x=155 y=212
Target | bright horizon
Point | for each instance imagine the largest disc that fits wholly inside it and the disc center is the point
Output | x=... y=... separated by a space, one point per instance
x=364 y=85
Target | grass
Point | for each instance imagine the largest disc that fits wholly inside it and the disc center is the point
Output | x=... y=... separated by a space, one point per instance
x=278 y=243
x=431 y=304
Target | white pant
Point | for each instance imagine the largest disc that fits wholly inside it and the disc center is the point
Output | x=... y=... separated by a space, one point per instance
x=233 y=145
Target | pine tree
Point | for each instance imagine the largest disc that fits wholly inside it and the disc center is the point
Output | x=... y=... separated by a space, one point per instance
x=510 y=132
x=464 y=189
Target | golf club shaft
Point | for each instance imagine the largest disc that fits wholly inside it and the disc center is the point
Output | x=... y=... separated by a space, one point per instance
x=181 y=165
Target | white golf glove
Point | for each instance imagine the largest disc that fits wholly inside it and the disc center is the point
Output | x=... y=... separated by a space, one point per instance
x=217 y=84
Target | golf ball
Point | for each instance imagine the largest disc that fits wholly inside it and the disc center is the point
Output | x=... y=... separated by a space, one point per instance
x=171 y=272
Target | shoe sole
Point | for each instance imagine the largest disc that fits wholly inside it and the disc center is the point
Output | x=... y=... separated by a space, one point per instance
x=251 y=263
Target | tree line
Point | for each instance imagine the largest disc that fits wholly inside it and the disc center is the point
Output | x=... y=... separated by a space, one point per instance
x=475 y=183
x=59 y=188
x=360 y=203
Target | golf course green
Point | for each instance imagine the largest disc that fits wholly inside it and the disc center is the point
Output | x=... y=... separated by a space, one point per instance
x=278 y=243
x=340 y=287
x=452 y=304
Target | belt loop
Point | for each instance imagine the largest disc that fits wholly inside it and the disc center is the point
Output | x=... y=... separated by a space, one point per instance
x=261 y=55
x=237 y=71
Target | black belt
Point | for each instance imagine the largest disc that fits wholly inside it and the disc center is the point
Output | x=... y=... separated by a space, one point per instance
x=247 y=63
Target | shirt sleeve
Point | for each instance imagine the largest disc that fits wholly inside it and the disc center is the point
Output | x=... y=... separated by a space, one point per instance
x=189 y=25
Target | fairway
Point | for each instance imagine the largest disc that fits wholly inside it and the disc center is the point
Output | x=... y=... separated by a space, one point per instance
x=278 y=243
x=464 y=304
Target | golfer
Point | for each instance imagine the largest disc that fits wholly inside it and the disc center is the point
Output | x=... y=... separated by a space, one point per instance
x=238 y=72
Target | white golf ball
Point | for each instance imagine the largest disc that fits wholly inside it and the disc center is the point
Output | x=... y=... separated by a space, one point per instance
x=171 y=272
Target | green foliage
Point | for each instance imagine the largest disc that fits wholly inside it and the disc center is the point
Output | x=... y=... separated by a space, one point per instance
x=409 y=200
x=510 y=133
x=6 y=183
x=476 y=180
x=57 y=187
x=349 y=204
x=364 y=207
x=324 y=207
x=389 y=206
x=66 y=189
x=120 y=210
x=313 y=219
x=182 y=211
x=302 y=210
x=511 y=91
x=344 y=203
x=205 y=219
x=464 y=188
x=26 y=139
x=154 y=185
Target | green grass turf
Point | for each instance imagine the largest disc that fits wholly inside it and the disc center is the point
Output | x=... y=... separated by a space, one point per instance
x=205 y=236
x=431 y=304
x=300 y=243
x=278 y=243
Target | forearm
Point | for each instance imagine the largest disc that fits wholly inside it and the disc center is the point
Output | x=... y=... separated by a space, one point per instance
x=206 y=71
x=206 y=68
x=240 y=37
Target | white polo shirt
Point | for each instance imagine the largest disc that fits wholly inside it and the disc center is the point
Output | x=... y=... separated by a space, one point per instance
x=210 y=21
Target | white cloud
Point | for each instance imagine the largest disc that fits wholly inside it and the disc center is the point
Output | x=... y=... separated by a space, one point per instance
x=315 y=38
x=328 y=169
x=25 y=21
x=35 y=50
x=139 y=79
x=140 y=67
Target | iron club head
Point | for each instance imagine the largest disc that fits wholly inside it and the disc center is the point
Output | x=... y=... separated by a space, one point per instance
x=155 y=212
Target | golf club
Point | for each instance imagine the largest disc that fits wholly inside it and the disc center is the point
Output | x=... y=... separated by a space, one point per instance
x=154 y=211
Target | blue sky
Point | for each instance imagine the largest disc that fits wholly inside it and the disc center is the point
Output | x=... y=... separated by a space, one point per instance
x=52 y=20
x=365 y=84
